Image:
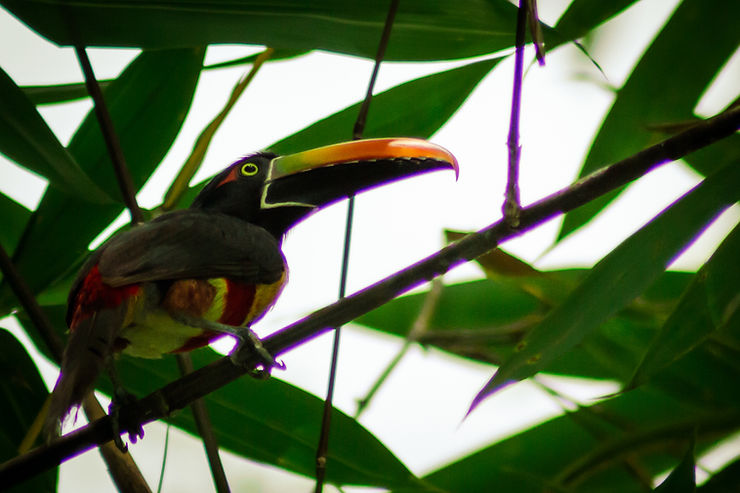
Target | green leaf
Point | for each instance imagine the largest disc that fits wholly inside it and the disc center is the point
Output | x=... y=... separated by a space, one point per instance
x=484 y=320
x=15 y=217
x=275 y=423
x=711 y=158
x=148 y=104
x=683 y=478
x=62 y=93
x=627 y=271
x=276 y=55
x=691 y=48
x=27 y=139
x=24 y=394
x=708 y=303
x=597 y=448
x=584 y=15
x=435 y=99
x=422 y=30
x=59 y=93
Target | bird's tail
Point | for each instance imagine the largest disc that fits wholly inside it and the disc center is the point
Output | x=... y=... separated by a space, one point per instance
x=88 y=350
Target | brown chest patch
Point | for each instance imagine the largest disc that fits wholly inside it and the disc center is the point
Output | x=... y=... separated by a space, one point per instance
x=190 y=296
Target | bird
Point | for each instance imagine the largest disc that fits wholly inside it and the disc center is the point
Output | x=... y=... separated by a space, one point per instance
x=188 y=277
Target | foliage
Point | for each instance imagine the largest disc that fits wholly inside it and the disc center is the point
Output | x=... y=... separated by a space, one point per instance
x=672 y=340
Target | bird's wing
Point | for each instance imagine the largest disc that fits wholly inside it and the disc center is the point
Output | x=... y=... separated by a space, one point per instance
x=192 y=244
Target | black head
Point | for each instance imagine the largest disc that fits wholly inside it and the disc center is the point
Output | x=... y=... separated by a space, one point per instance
x=236 y=191
x=276 y=192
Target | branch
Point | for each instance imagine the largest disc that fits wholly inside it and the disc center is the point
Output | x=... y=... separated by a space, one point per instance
x=512 y=206
x=123 y=177
x=180 y=393
x=322 y=447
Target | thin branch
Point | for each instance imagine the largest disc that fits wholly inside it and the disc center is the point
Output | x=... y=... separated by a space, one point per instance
x=418 y=328
x=203 y=381
x=121 y=466
x=31 y=306
x=535 y=30
x=512 y=206
x=115 y=152
x=322 y=448
x=205 y=430
x=359 y=128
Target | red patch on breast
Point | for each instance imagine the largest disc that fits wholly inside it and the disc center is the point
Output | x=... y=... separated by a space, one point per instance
x=95 y=295
x=237 y=303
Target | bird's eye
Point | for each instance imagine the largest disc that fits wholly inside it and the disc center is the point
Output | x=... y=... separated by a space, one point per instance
x=249 y=169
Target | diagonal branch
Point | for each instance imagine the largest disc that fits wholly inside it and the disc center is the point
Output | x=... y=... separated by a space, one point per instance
x=214 y=376
x=110 y=136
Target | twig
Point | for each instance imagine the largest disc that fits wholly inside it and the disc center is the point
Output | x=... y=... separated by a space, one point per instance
x=193 y=162
x=566 y=403
x=111 y=138
x=31 y=306
x=205 y=430
x=121 y=466
x=535 y=31
x=203 y=381
x=512 y=206
x=357 y=132
x=418 y=328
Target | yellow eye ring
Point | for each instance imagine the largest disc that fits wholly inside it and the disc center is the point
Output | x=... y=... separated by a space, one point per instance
x=249 y=169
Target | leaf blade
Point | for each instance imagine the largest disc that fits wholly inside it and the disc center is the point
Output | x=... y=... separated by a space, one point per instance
x=590 y=304
x=148 y=104
x=696 y=42
x=27 y=139
x=706 y=305
x=421 y=31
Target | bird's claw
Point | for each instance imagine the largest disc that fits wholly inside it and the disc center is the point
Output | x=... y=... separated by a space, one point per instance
x=248 y=346
x=122 y=398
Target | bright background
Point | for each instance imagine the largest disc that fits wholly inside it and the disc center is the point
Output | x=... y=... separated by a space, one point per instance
x=563 y=104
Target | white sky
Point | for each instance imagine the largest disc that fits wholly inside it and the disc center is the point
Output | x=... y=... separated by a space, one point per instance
x=394 y=226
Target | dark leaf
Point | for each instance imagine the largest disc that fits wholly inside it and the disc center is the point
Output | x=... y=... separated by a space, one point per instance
x=709 y=302
x=421 y=31
x=683 y=478
x=148 y=104
x=275 y=423
x=23 y=394
x=627 y=271
x=663 y=88
x=27 y=139
x=59 y=93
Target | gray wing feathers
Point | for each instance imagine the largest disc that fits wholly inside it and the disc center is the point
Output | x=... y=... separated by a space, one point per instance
x=192 y=244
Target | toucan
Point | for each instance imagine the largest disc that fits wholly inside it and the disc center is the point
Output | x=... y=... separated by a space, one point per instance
x=188 y=277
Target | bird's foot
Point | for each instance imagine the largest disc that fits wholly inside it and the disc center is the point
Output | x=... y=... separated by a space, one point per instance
x=122 y=398
x=250 y=348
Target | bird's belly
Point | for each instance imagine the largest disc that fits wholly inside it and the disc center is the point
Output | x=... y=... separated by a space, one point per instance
x=153 y=332
x=157 y=334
